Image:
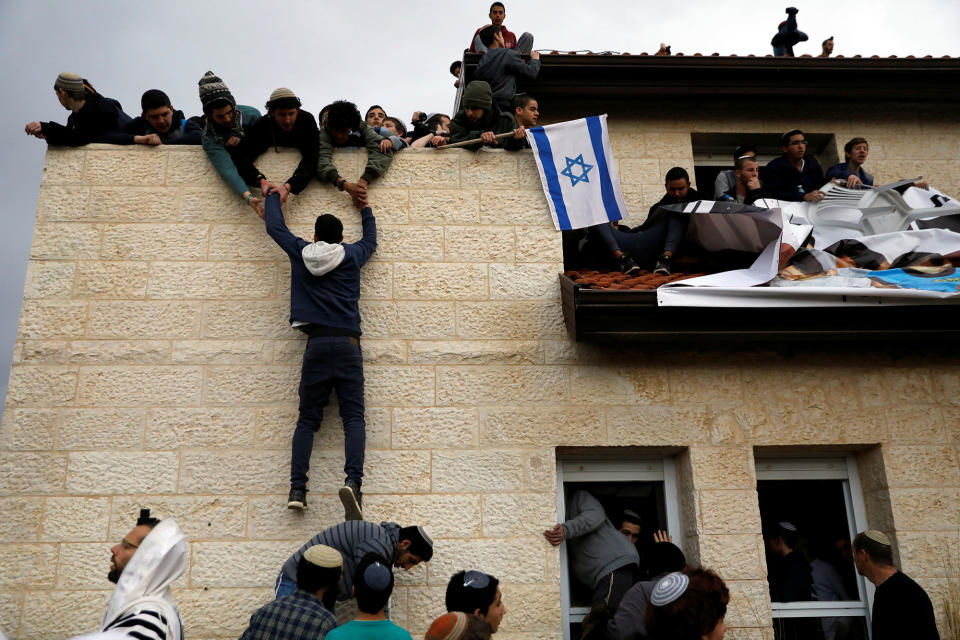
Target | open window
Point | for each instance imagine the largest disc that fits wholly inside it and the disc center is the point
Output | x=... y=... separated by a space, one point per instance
x=811 y=508
x=645 y=485
x=713 y=153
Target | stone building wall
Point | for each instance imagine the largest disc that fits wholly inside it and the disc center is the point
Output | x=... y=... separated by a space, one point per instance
x=154 y=367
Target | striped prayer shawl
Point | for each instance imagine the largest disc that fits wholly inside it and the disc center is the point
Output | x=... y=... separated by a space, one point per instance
x=146 y=624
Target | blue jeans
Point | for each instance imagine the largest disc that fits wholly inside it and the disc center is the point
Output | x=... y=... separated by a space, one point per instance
x=647 y=245
x=330 y=363
x=284 y=587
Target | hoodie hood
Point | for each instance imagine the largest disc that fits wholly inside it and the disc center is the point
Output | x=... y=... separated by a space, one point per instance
x=477 y=95
x=321 y=258
x=158 y=562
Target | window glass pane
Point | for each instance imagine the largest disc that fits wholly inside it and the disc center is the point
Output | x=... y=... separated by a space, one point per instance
x=834 y=628
x=807 y=539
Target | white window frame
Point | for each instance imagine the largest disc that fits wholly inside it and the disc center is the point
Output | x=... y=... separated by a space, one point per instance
x=825 y=468
x=642 y=469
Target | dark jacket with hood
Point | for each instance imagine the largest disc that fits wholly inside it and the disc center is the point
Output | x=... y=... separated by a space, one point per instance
x=97 y=117
x=501 y=67
x=265 y=133
x=181 y=131
x=478 y=95
x=324 y=277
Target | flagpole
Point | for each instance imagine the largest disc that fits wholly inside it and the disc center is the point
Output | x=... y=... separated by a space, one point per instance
x=499 y=136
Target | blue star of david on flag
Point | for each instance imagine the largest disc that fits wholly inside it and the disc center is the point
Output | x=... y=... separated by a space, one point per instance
x=585 y=169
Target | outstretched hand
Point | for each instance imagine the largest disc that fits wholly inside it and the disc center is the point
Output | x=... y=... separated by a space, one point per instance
x=34 y=129
x=257 y=205
x=554 y=535
x=385 y=145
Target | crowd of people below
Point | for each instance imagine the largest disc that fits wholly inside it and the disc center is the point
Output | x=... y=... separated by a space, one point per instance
x=640 y=586
x=648 y=593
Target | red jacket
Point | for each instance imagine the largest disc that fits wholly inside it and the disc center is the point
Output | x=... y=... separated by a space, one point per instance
x=509 y=40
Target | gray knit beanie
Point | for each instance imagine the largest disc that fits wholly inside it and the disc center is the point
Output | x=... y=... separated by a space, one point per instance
x=212 y=89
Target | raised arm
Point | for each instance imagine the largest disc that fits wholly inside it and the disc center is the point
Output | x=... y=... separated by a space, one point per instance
x=277 y=227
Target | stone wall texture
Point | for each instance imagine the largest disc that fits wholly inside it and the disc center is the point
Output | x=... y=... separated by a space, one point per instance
x=155 y=367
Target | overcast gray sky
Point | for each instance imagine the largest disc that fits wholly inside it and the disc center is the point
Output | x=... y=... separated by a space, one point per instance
x=391 y=53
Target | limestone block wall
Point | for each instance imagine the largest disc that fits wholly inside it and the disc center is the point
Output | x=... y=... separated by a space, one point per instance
x=155 y=367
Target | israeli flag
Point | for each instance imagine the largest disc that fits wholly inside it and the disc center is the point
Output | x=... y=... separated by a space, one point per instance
x=577 y=172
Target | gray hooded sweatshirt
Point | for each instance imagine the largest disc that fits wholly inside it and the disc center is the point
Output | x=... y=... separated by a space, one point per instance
x=501 y=68
x=596 y=547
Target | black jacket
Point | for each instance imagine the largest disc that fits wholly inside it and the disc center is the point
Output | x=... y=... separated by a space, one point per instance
x=784 y=182
x=97 y=117
x=264 y=134
x=181 y=131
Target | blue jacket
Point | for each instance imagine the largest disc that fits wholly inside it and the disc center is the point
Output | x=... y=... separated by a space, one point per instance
x=324 y=278
x=842 y=172
x=784 y=182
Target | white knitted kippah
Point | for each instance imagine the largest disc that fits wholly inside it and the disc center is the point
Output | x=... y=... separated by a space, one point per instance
x=877 y=536
x=669 y=588
x=323 y=556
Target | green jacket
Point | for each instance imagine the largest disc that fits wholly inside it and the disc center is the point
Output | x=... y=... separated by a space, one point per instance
x=377 y=162
x=461 y=128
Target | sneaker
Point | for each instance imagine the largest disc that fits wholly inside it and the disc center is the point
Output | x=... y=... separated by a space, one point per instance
x=627 y=265
x=297 y=499
x=352 y=499
x=663 y=267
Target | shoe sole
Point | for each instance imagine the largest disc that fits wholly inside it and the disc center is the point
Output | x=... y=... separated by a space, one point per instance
x=351 y=508
x=296 y=504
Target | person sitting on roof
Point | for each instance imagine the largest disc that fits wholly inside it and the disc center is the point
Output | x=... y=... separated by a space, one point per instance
x=497 y=13
x=851 y=173
x=826 y=48
x=727 y=179
x=652 y=244
x=787 y=35
x=342 y=127
x=159 y=123
x=794 y=176
x=91 y=115
x=747 y=190
x=501 y=67
x=481 y=120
